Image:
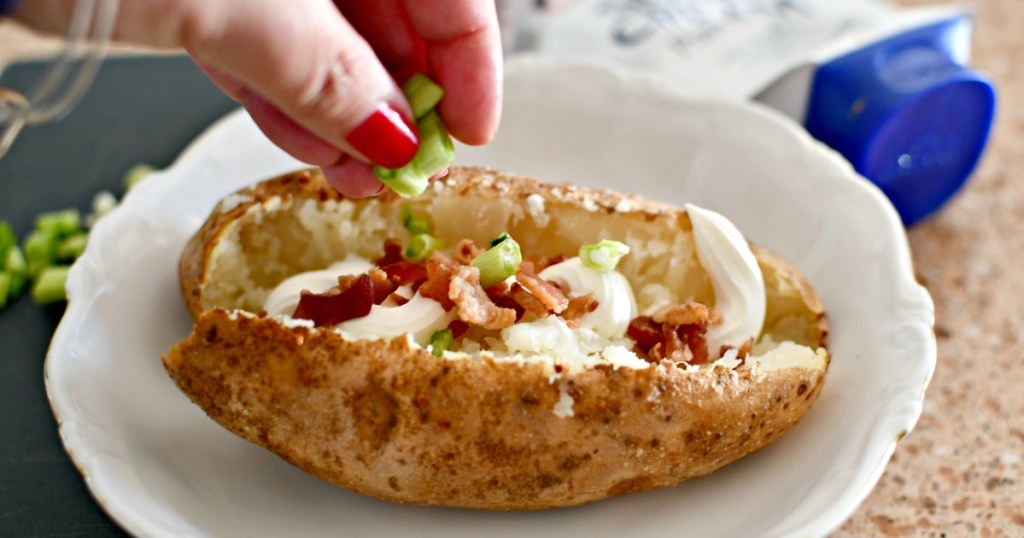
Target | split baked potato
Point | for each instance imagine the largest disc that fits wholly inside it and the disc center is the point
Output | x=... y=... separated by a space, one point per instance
x=480 y=426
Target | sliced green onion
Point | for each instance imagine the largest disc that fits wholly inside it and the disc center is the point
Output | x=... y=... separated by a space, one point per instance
x=7 y=240
x=71 y=248
x=436 y=152
x=440 y=341
x=40 y=250
x=5 y=288
x=61 y=223
x=49 y=287
x=603 y=255
x=17 y=268
x=423 y=94
x=420 y=246
x=500 y=261
x=135 y=175
x=415 y=225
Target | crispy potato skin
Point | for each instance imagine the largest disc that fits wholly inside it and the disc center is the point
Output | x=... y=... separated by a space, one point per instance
x=379 y=418
x=389 y=420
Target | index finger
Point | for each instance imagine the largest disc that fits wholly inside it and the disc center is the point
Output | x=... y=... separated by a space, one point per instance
x=464 y=52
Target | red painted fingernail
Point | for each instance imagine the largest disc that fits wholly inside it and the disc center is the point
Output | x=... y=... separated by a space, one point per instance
x=385 y=137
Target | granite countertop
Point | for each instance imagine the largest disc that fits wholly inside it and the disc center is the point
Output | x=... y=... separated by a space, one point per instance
x=960 y=472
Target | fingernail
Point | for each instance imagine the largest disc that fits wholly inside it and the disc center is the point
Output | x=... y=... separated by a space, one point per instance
x=385 y=138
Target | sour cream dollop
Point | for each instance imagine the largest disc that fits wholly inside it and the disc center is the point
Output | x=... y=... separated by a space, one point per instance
x=616 y=305
x=735 y=276
x=419 y=316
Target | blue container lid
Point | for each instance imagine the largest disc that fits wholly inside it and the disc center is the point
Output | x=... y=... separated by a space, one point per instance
x=907 y=113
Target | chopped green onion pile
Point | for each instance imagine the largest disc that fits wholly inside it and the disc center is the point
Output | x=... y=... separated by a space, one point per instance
x=500 y=261
x=57 y=240
x=440 y=341
x=604 y=255
x=436 y=149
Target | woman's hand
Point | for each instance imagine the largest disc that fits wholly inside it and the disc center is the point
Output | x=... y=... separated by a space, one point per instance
x=318 y=77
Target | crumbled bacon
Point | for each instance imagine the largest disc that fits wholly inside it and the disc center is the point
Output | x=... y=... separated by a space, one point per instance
x=405 y=273
x=466 y=250
x=458 y=328
x=578 y=307
x=474 y=306
x=546 y=292
x=682 y=314
x=392 y=254
x=526 y=300
x=339 y=304
x=501 y=294
x=439 y=276
x=382 y=285
x=674 y=332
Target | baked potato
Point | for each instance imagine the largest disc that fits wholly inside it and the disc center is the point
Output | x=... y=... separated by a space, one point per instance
x=480 y=424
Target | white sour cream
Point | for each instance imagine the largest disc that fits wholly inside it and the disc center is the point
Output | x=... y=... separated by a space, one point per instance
x=616 y=306
x=735 y=276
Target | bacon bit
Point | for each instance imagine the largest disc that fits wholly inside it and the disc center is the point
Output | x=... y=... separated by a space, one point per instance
x=392 y=253
x=693 y=335
x=458 y=328
x=682 y=314
x=546 y=292
x=500 y=294
x=466 y=250
x=475 y=307
x=527 y=301
x=382 y=285
x=405 y=273
x=674 y=348
x=656 y=340
x=439 y=275
x=579 y=306
x=644 y=331
x=338 y=304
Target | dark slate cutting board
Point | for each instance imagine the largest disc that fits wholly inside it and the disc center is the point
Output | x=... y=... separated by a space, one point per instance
x=139 y=110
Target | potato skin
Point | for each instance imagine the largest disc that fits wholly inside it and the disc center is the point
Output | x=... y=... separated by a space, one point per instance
x=383 y=419
x=389 y=420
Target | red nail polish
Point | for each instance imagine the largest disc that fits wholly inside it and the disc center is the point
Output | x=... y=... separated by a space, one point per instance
x=385 y=137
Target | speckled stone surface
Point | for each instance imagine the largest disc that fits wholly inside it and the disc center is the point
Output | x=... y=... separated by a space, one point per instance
x=960 y=472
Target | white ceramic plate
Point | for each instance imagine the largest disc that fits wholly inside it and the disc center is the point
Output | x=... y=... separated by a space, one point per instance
x=160 y=467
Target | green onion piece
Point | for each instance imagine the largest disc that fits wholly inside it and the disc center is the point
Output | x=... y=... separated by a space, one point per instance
x=71 y=248
x=49 y=287
x=423 y=94
x=17 y=268
x=61 y=223
x=440 y=341
x=135 y=175
x=5 y=289
x=415 y=225
x=420 y=246
x=7 y=240
x=603 y=255
x=500 y=261
x=436 y=152
x=40 y=250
